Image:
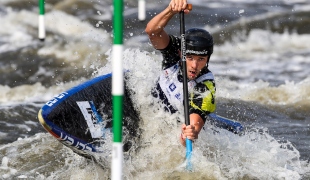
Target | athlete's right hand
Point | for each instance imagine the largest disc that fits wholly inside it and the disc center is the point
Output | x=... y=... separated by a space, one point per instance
x=189 y=132
x=178 y=6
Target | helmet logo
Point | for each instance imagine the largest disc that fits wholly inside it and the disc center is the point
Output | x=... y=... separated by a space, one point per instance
x=188 y=51
x=183 y=47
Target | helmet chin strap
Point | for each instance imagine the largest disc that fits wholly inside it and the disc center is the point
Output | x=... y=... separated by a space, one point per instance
x=208 y=61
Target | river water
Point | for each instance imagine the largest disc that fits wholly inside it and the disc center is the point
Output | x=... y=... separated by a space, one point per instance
x=261 y=62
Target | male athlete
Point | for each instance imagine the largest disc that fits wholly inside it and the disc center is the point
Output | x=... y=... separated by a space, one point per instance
x=201 y=86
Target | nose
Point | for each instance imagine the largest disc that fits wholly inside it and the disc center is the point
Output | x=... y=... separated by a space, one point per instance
x=194 y=63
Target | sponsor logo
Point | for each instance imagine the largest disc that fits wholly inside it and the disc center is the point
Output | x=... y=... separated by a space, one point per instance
x=196 y=52
x=172 y=87
x=178 y=96
x=91 y=117
x=183 y=49
x=56 y=99
x=71 y=142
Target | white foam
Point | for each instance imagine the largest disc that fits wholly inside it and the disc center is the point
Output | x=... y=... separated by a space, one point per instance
x=288 y=93
x=262 y=92
x=4 y=163
x=276 y=56
x=263 y=43
x=84 y=42
x=13 y=33
x=31 y=93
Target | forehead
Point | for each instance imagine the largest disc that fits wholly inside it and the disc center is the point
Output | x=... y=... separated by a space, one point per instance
x=196 y=56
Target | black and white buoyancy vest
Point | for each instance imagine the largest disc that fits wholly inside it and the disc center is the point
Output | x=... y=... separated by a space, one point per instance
x=173 y=88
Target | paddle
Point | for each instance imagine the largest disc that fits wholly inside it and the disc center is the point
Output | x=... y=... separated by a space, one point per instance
x=185 y=87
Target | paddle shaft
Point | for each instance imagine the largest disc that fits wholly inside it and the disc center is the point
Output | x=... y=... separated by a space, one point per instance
x=183 y=57
x=185 y=90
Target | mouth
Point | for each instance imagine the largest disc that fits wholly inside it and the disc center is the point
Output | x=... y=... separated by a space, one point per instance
x=191 y=74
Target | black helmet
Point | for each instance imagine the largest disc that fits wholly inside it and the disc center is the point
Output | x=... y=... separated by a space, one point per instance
x=199 y=42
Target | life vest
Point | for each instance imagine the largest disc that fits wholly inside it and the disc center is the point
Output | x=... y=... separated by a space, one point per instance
x=173 y=88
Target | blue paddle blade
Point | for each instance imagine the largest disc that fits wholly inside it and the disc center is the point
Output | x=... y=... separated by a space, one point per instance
x=189 y=149
x=225 y=123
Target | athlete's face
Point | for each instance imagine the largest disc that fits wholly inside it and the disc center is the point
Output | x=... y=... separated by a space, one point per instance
x=194 y=64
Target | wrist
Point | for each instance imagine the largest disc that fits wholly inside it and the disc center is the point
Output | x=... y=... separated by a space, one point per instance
x=169 y=12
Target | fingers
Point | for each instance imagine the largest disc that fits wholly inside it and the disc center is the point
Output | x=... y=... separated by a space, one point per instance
x=178 y=5
x=189 y=132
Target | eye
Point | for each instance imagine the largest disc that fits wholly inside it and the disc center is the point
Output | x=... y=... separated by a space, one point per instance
x=189 y=57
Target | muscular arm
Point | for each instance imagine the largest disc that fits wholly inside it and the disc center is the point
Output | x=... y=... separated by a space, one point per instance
x=155 y=27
